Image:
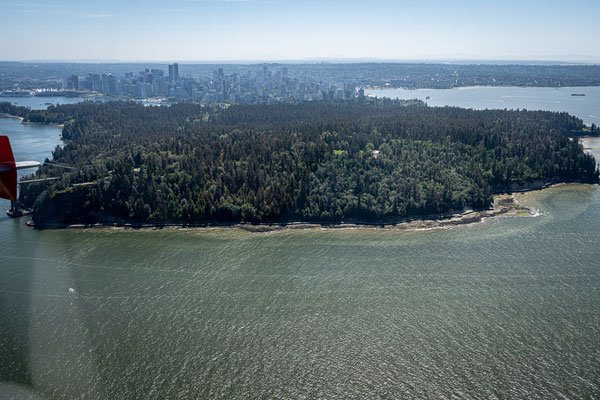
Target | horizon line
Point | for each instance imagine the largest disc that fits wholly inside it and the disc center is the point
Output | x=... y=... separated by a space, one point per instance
x=317 y=60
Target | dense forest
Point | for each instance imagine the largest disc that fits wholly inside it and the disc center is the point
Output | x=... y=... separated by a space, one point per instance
x=364 y=161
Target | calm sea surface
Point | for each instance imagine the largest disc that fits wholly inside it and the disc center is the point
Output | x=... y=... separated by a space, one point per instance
x=508 y=308
x=553 y=99
x=40 y=103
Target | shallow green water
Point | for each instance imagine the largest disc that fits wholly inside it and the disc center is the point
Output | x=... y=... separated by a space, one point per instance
x=508 y=308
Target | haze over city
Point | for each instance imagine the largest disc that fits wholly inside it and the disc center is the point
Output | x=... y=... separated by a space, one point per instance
x=247 y=30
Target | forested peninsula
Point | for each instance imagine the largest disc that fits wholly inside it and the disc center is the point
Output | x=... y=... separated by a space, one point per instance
x=372 y=161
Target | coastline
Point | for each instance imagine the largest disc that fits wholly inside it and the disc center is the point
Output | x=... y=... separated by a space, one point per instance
x=504 y=205
x=44 y=124
x=5 y=115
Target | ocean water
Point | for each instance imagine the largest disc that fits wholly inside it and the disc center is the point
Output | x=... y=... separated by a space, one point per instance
x=530 y=98
x=507 y=308
x=41 y=103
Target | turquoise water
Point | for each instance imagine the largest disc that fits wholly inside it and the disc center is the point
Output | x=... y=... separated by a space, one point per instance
x=552 y=99
x=508 y=308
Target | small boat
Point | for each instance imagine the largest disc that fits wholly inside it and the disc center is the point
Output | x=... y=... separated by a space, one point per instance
x=577 y=94
x=427 y=98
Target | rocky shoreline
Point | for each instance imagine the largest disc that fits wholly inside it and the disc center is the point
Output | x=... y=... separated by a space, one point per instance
x=504 y=205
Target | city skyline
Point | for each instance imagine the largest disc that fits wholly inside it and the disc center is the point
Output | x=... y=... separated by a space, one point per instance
x=280 y=30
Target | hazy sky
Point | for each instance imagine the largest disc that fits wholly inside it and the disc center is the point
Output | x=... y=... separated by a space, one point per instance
x=294 y=30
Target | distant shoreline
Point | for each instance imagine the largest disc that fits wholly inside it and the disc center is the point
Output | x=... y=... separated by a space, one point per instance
x=475 y=87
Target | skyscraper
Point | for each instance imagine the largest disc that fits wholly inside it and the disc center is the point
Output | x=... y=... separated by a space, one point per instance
x=96 y=83
x=75 y=82
x=113 y=84
x=176 y=71
x=173 y=73
x=104 y=87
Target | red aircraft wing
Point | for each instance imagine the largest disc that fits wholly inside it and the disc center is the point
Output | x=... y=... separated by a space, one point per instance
x=8 y=171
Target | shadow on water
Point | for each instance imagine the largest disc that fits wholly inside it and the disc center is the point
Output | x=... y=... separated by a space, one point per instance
x=76 y=353
x=15 y=308
x=46 y=345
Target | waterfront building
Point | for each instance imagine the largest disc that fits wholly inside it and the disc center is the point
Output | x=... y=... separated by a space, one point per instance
x=74 y=82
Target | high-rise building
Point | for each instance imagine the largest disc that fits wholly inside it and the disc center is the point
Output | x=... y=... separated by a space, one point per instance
x=86 y=83
x=75 y=82
x=113 y=84
x=96 y=83
x=361 y=94
x=173 y=73
x=104 y=87
x=349 y=90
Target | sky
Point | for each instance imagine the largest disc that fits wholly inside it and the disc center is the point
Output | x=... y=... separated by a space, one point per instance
x=283 y=30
